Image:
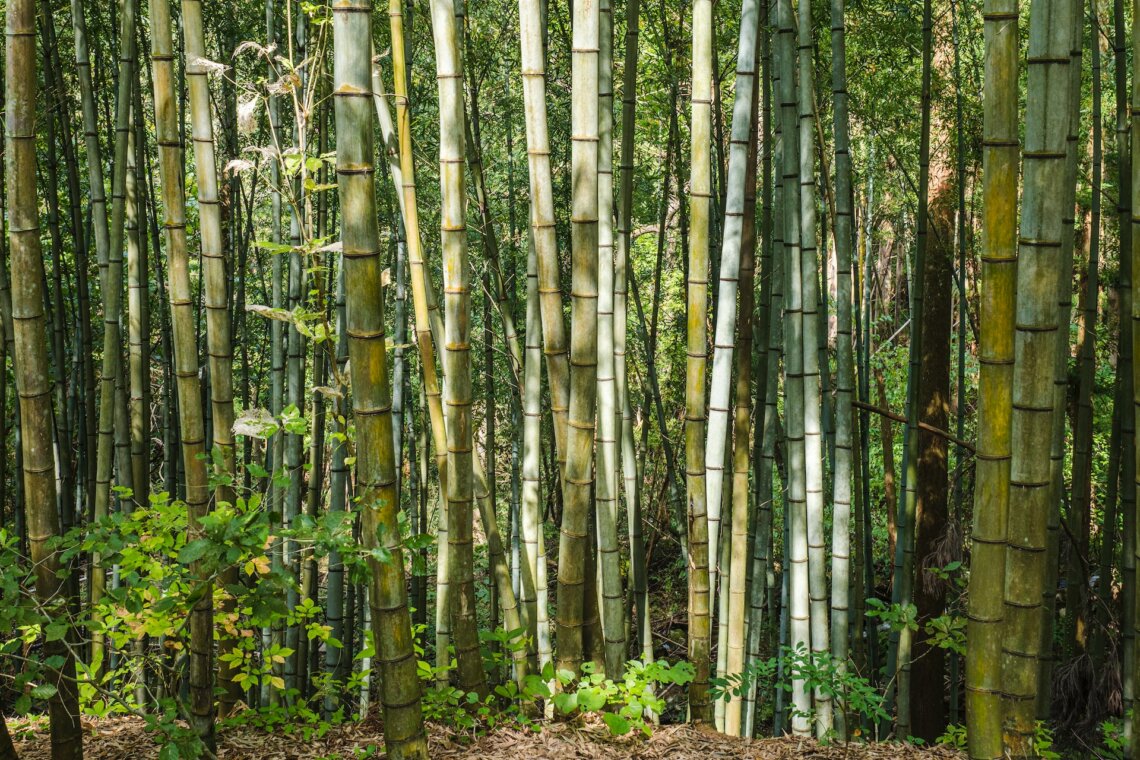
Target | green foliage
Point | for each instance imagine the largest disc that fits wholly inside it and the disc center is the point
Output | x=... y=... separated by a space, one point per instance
x=819 y=672
x=1113 y=741
x=1043 y=742
x=954 y=736
x=624 y=705
x=897 y=616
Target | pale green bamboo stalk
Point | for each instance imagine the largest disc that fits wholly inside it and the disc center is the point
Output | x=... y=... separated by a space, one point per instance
x=543 y=241
x=531 y=508
x=138 y=310
x=742 y=526
x=532 y=32
x=796 y=548
x=457 y=347
x=720 y=387
x=609 y=560
x=812 y=334
x=845 y=382
x=770 y=336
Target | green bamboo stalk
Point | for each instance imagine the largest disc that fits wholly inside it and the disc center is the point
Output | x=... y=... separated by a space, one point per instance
x=578 y=481
x=371 y=397
x=138 y=310
x=457 y=348
x=1035 y=349
x=1047 y=656
x=531 y=514
x=423 y=307
x=743 y=115
x=812 y=378
x=606 y=504
x=769 y=334
x=700 y=193
x=796 y=549
x=219 y=344
x=624 y=407
x=185 y=359
x=532 y=42
x=31 y=365
x=741 y=526
x=845 y=382
x=1000 y=156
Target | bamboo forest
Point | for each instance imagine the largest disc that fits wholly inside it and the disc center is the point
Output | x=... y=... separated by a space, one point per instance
x=588 y=379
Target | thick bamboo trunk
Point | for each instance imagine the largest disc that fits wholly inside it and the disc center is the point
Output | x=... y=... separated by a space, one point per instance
x=606 y=492
x=192 y=429
x=580 y=424
x=1035 y=350
x=533 y=45
x=1001 y=164
x=743 y=115
x=796 y=548
x=371 y=396
x=457 y=348
x=219 y=344
x=845 y=382
x=813 y=406
x=700 y=195
x=31 y=365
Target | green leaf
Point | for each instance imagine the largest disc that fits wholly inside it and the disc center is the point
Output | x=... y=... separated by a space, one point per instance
x=591 y=699
x=44 y=691
x=55 y=631
x=618 y=725
x=194 y=551
x=566 y=702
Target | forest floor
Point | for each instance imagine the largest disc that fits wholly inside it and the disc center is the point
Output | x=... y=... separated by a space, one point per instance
x=117 y=738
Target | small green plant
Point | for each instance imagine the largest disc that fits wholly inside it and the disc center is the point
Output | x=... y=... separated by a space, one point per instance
x=624 y=704
x=1043 y=742
x=1113 y=740
x=819 y=672
x=954 y=736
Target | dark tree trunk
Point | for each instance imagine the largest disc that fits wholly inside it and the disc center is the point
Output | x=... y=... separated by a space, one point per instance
x=928 y=710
